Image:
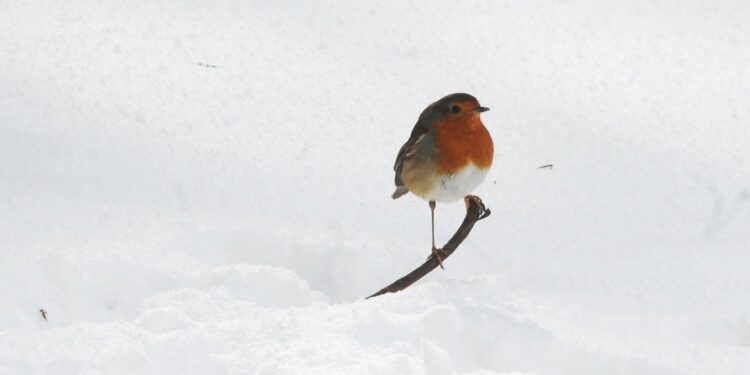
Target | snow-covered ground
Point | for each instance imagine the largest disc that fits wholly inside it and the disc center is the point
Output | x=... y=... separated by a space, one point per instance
x=194 y=187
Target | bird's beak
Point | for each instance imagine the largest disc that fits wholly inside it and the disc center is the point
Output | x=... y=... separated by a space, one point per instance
x=481 y=109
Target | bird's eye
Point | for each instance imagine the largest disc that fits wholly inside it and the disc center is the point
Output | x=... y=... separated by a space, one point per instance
x=455 y=109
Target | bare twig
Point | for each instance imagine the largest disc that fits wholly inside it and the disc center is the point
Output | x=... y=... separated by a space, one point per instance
x=475 y=211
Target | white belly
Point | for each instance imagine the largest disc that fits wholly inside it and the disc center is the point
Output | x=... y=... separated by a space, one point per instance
x=457 y=186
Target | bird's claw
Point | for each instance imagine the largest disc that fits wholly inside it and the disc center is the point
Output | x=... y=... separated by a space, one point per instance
x=439 y=255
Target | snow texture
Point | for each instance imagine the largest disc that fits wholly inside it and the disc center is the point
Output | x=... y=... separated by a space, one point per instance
x=194 y=187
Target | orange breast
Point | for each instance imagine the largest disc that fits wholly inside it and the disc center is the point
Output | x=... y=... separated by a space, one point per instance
x=460 y=142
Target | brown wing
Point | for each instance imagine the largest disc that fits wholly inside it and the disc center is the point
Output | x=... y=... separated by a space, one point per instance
x=417 y=134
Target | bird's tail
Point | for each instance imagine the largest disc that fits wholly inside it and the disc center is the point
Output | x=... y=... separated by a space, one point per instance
x=400 y=190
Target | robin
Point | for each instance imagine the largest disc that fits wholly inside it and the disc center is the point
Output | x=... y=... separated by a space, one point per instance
x=447 y=155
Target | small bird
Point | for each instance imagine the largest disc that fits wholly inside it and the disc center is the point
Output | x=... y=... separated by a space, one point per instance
x=447 y=155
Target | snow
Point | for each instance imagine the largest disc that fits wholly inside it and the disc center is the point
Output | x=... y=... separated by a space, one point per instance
x=204 y=188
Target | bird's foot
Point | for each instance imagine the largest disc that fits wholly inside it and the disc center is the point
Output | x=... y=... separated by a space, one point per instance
x=438 y=254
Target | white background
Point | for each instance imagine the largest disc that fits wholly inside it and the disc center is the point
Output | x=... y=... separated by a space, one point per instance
x=204 y=187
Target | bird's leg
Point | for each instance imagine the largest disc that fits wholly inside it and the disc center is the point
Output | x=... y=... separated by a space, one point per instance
x=435 y=251
x=432 y=216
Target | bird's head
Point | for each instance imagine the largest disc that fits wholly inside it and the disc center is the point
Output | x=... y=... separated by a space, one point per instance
x=454 y=107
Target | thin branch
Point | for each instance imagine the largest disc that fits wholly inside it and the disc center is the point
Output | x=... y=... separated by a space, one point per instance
x=475 y=211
